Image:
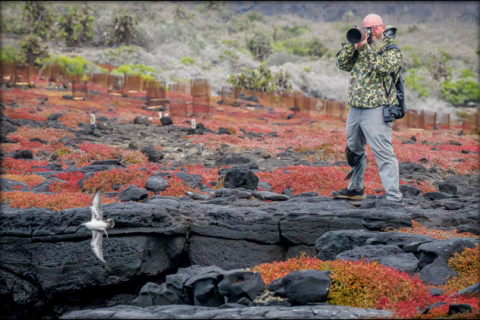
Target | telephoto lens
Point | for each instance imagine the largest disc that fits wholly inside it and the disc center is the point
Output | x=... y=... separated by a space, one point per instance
x=355 y=35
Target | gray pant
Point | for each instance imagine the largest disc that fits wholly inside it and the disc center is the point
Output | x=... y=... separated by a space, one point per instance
x=367 y=126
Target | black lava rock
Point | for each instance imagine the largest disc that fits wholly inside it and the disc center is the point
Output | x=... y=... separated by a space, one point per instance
x=238 y=284
x=240 y=179
x=448 y=188
x=166 y=121
x=156 y=184
x=222 y=130
x=303 y=287
x=132 y=193
x=436 y=273
x=153 y=154
x=23 y=154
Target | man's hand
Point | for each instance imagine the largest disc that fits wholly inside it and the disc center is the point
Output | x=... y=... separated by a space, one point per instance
x=360 y=44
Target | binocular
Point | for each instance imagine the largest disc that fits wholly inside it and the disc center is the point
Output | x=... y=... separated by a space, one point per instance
x=356 y=35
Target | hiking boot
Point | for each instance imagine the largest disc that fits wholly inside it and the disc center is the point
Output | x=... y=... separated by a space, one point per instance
x=349 y=194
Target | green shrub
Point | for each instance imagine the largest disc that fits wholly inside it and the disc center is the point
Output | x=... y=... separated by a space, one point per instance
x=307 y=69
x=255 y=16
x=416 y=61
x=75 y=26
x=407 y=48
x=412 y=81
x=73 y=66
x=467 y=73
x=187 y=61
x=136 y=69
x=8 y=54
x=124 y=27
x=261 y=79
x=260 y=45
x=121 y=55
x=211 y=5
x=438 y=65
x=413 y=28
x=180 y=13
x=460 y=92
x=38 y=18
x=302 y=47
x=31 y=50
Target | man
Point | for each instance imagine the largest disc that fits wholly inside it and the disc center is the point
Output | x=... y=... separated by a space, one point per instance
x=369 y=84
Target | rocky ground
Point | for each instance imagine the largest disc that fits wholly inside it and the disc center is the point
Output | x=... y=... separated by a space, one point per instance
x=177 y=257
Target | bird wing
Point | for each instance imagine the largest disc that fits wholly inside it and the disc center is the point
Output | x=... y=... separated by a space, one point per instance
x=97 y=240
x=97 y=213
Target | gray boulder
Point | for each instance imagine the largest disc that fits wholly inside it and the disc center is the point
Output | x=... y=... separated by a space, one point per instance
x=410 y=190
x=399 y=239
x=266 y=195
x=153 y=294
x=406 y=262
x=448 y=188
x=377 y=219
x=156 y=184
x=475 y=288
x=235 y=178
x=193 y=180
x=7 y=185
x=370 y=252
x=238 y=284
x=306 y=286
x=332 y=243
x=153 y=154
x=43 y=186
x=132 y=193
x=264 y=186
x=436 y=273
x=444 y=249
x=205 y=289
x=239 y=193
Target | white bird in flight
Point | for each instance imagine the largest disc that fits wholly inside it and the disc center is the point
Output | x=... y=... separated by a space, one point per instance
x=98 y=225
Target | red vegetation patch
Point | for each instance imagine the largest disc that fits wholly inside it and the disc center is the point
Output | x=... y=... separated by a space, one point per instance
x=323 y=180
x=24 y=134
x=177 y=188
x=417 y=228
x=90 y=152
x=467 y=265
x=24 y=114
x=30 y=179
x=71 y=184
x=362 y=284
x=56 y=202
x=19 y=166
x=116 y=179
x=72 y=119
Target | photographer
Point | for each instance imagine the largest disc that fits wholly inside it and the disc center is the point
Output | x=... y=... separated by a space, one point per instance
x=368 y=92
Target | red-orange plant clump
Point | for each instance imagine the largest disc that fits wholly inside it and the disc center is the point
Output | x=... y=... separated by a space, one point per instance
x=20 y=166
x=24 y=134
x=24 y=114
x=30 y=179
x=111 y=180
x=418 y=228
x=56 y=201
x=363 y=284
x=71 y=182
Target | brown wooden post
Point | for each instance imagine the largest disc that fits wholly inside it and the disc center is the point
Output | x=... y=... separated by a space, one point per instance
x=448 y=122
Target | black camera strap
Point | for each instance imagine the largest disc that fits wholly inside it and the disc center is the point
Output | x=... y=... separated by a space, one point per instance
x=393 y=74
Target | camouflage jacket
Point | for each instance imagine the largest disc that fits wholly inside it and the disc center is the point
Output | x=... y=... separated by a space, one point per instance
x=369 y=74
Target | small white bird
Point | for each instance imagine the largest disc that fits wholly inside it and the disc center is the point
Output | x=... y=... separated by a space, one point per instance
x=97 y=225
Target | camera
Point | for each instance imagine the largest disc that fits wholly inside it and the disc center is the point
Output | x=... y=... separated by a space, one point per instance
x=356 y=35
